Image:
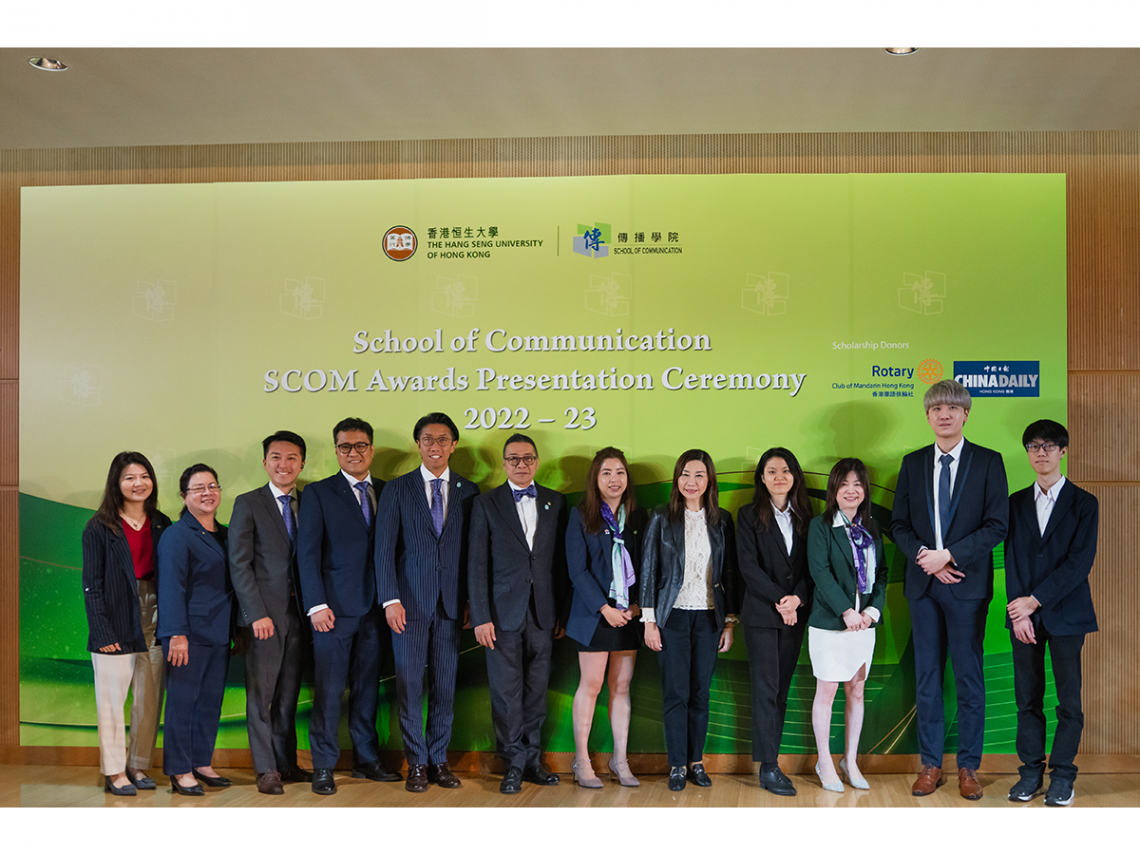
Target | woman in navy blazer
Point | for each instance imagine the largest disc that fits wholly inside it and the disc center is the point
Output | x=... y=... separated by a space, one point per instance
x=603 y=546
x=845 y=557
x=195 y=607
x=119 y=594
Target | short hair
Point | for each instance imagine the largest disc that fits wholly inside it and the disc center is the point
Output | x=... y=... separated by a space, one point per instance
x=947 y=392
x=592 y=520
x=184 y=481
x=436 y=419
x=1046 y=430
x=710 y=500
x=839 y=473
x=283 y=436
x=345 y=425
x=798 y=500
x=113 y=500
x=519 y=437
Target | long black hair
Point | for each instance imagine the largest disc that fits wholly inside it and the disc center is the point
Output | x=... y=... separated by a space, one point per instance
x=113 y=500
x=709 y=500
x=798 y=499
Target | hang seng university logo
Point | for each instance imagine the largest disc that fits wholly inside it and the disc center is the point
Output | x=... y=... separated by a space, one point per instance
x=400 y=243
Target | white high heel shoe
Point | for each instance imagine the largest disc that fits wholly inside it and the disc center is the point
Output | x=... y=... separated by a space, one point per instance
x=837 y=787
x=856 y=780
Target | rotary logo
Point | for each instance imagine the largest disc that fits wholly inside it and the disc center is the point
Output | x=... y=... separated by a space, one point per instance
x=400 y=243
x=930 y=371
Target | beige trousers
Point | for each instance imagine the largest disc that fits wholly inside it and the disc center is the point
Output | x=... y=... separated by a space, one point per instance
x=142 y=674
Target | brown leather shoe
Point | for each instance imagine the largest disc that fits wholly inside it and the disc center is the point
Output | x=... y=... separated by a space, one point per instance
x=929 y=781
x=417 y=780
x=269 y=783
x=439 y=773
x=968 y=784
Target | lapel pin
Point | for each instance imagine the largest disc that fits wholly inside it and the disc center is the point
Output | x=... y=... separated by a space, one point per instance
x=546 y=507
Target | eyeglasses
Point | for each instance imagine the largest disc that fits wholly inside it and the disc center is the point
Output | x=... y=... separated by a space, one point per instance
x=202 y=489
x=429 y=441
x=1047 y=447
x=529 y=460
x=347 y=448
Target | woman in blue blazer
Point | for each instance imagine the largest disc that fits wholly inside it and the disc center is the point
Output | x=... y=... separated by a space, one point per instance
x=689 y=606
x=122 y=606
x=195 y=604
x=845 y=558
x=603 y=546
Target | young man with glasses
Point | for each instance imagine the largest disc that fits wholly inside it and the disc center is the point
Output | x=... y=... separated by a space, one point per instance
x=421 y=554
x=517 y=585
x=1048 y=556
x=338 y=591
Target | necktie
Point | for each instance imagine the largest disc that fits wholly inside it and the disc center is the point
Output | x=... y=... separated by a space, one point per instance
x=944 y=495
x=287 y=514
x=437 y=505
x=365 y=503
x=529 y=491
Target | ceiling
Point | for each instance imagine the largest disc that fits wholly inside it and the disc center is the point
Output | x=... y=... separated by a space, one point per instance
x=116 y=97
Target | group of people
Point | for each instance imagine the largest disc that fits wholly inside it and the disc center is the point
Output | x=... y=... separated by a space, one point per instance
x=360 y=564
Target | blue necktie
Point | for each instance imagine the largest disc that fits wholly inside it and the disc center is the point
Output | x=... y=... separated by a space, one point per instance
x=437 y=505
x=287 y=514
x=365 y=502
x=944 y=495
x=529 y=491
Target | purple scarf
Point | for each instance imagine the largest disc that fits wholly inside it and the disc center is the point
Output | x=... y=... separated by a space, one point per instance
x=622 y=566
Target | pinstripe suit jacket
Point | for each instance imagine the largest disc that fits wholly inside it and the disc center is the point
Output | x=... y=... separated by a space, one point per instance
x=110 y=590
x=413 y=564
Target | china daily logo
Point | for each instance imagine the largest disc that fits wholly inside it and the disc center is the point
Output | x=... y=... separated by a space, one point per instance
x=593 y=241
x=1000 y=379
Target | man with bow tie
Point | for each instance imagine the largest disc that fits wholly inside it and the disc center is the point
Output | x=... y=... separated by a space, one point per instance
x=517 y=584
x=421 y=554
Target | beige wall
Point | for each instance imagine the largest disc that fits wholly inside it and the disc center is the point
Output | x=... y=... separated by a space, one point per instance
x=1103 y=187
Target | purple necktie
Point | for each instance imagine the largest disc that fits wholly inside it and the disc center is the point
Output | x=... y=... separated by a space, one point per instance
x=437 y=505
x=287 y=514
x=365 y=502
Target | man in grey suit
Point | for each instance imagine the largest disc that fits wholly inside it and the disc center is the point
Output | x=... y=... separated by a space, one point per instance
x=263 y=565
x=517 y=584
x=421 y=553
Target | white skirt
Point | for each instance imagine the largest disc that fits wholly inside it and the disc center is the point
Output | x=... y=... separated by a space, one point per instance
x=837 y=656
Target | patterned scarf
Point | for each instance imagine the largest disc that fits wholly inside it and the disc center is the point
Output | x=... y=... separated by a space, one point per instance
x=620 y=561
x=862 y=540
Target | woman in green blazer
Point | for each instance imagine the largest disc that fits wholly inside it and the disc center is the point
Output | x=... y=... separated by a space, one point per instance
x=845 y=559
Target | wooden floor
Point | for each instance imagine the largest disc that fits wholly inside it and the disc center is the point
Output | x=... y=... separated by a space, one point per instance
x=79 y=786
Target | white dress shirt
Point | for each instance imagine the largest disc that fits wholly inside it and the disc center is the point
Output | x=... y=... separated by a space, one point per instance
x=784 y=521
x=527 y=509
x=1046 y=501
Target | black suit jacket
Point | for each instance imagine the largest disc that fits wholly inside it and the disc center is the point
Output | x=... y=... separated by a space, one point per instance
x=110 y=590
x=663 y=565
x=1054 y=567
x=263 y=561
x=979 y=508
x=503 y=570
x=769 y=573
x=413 y=564
x=334 y=548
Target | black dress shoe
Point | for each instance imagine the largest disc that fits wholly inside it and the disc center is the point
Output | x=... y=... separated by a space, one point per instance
x=439 y=773
x=512 y=781
x=374 y=771
x=698 y=775
x=209 y=781
x=109 y=787
x=141 y=782
x=775 y=781
x=195 y=790
x=676 y=778
x=539 y=774
x=323 y=783
x=297 y=775
x=417 y=781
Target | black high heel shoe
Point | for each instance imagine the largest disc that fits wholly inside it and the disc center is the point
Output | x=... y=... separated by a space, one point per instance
x=141 y=782
x=195 y=790
x=109 y=787
x=211 y=781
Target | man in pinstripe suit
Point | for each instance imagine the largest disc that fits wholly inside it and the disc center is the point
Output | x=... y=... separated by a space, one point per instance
x=421 y=551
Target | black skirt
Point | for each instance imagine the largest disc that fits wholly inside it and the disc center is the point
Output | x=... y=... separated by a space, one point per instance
x=608 y=639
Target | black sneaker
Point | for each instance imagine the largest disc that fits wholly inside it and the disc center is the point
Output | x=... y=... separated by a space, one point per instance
x=1029 y=786
x=1060 y=793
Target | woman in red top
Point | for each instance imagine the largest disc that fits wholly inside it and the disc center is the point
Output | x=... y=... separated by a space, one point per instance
x=119 y=545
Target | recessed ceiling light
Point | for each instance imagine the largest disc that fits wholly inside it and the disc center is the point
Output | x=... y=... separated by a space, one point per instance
x=46 y=63
x=901 y=51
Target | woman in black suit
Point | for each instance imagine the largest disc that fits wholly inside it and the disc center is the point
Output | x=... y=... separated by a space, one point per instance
x=845 y=558
x=771 y=537
x=603 y=546
x=119 y=594
x=195 y=607
x=688 y=603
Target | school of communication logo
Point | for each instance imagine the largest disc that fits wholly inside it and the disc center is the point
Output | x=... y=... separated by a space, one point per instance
x=400 y=243
x=593 y=241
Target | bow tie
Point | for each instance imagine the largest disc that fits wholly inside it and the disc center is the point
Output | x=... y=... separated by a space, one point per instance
x=529 y=491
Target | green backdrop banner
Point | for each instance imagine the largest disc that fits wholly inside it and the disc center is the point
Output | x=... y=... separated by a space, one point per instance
x=654 y=313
